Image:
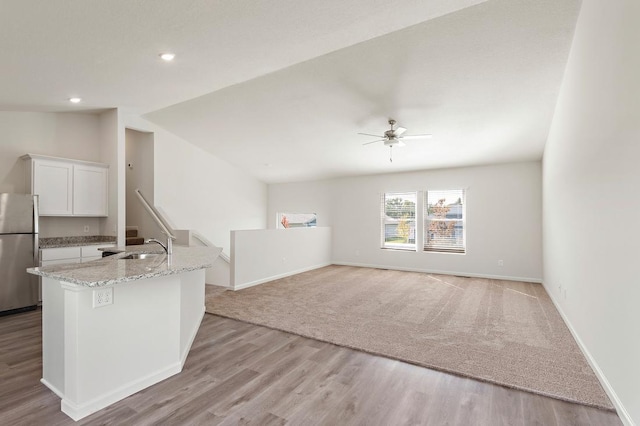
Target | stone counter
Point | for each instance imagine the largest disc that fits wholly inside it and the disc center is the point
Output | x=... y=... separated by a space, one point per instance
x=56 y=242
x=113 y=269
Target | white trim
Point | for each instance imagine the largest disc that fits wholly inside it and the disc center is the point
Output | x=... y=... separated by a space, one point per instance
x=622 y=412
x=208 y=243
x=65 y=160
x=434 y=271
x=77 y=412
x=276 y=277
x=397 y=247
x=187 y=348
x=52 y=388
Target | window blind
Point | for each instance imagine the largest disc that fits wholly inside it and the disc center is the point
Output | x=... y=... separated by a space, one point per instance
x=444 y=221
x=398 y=220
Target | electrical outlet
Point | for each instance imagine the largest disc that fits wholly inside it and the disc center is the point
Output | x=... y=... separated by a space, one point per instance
x=102 y=297
x=500 y=262
x=86 y=228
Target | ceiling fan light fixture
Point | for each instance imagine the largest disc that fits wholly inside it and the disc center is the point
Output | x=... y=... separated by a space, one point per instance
x=393 y=137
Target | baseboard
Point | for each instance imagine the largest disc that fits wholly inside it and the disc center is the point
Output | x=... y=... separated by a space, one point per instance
x=218 y=285
x=622 y=412
x=52 y=388
x=187 y=348
x=80 y=411
x=435 y=271
x=276 y=277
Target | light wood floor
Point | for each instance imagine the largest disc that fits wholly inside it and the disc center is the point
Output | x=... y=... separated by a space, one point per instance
x=238 y=373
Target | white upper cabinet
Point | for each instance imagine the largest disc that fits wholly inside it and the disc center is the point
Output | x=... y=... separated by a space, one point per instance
x=53 y=182
x=90 y=190
x=68 y=187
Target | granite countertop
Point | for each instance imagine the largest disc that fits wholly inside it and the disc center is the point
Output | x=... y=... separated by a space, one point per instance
x=56 y=242
x=114 y=270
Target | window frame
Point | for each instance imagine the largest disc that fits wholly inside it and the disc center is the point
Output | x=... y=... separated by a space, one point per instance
x=384 y=221
x=281 y=215
x=426 y=220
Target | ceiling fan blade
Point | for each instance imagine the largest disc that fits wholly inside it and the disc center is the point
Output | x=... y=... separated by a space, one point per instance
x=411 y=137
x=399 y=131
x=369 y=134
x=379 y=140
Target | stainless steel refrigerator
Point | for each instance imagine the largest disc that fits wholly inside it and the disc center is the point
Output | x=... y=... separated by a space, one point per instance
x=18 y=251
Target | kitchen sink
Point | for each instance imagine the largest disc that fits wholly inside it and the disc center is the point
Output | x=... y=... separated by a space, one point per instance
x=141 y=256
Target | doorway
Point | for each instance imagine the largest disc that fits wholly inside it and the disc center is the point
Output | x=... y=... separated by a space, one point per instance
x=139 y=151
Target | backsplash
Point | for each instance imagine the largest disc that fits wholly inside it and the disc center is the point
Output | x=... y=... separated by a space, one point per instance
x=52 y=226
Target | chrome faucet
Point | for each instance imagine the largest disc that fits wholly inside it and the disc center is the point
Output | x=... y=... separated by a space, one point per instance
x=167 y=248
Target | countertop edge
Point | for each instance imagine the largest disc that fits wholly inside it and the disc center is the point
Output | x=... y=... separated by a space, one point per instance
x=63 y=245
x=111 y=267
x=104 y=283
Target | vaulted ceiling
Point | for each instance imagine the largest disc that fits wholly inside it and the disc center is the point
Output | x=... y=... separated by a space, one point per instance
x=281 y=89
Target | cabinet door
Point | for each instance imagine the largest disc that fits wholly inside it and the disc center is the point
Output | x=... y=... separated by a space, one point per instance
x=52 y=181
x=90 y=190
x=60 y=253
x=59 y=262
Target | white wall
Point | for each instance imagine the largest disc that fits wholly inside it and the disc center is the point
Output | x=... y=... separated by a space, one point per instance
x=139 y=175
x=67 y=135
x=197 y=190
x=503 y=218
x=591 y=200
x=304 y=197
x=258 y=256
x=112 y=152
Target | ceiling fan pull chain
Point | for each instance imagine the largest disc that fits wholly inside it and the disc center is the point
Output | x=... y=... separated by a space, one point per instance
x=391 y=154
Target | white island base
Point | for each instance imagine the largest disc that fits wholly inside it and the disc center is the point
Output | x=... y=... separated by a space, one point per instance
x=93 y=357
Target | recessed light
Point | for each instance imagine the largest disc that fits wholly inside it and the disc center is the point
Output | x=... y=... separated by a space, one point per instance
x=167 y=56
x=75 y=100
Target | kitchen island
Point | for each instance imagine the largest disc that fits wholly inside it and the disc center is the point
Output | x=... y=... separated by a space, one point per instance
x=114 y=326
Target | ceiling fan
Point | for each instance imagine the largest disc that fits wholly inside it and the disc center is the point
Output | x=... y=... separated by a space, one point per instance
x=394 y=137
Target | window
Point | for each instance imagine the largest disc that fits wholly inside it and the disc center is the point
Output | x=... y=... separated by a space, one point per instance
x=398 y=220
x=444 y=221
x=296 y=220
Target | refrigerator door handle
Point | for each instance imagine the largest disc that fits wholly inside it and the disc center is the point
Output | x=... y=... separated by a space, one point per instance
x=36 y=213
x=36 y=239
x=36 y=250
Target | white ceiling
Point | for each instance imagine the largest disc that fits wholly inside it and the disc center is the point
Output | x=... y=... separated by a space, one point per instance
x=107 y=51
x=282 y=88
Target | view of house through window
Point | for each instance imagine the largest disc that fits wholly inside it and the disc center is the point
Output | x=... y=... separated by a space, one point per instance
x=296 y=220
x=398 y=218
x=444 y=221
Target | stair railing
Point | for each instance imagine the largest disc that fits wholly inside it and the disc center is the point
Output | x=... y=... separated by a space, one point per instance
x=157 y=218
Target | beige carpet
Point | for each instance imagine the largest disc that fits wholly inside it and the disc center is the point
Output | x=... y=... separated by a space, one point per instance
x=503 y=332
